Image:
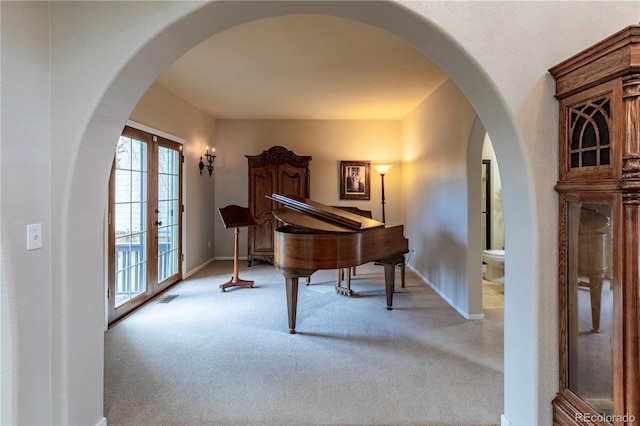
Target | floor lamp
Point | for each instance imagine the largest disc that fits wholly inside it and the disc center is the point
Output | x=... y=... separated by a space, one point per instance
x=382 y=169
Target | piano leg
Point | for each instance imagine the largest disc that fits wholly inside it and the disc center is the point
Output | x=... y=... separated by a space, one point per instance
x=292 y=302
x=595 y=292
x=389 y=282
x=390 y=275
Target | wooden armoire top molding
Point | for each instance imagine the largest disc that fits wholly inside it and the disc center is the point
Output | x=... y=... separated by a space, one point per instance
x=278 y=155
x=614 y=56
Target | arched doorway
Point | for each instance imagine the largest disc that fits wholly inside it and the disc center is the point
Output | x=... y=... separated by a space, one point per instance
x=123 y=83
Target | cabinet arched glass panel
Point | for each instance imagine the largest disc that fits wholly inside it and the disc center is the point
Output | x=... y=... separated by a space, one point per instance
x=589 y=130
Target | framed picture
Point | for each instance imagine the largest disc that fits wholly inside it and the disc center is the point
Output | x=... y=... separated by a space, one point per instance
x=355 y=181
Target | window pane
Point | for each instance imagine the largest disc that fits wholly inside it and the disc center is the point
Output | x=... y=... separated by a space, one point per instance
x=168 y=181
x=123 y=153
x=589 y=158
x=138 y=155
x=123 y=219
x=130 y=223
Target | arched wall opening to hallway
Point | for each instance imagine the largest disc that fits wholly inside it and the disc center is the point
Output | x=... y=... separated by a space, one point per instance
x=474 y=256
x=81 y=192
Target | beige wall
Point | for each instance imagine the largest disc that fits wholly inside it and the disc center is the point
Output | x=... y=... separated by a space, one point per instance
x=327 y=142
x=435 y=138
x=162 y=110
x=433 y=144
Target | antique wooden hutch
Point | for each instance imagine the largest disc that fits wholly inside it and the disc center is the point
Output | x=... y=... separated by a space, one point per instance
x=276 y=170
x=599 y=189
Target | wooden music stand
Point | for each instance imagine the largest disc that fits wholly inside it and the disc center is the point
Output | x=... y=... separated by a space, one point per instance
x=234 y=217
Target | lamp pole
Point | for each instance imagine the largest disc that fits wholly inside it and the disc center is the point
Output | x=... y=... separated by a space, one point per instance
x=383 y=169
x=383 y=217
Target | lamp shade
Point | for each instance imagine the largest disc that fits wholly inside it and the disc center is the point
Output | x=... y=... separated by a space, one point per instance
x=382 y=168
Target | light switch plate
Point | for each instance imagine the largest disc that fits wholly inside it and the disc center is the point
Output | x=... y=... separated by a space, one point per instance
x=34 y=236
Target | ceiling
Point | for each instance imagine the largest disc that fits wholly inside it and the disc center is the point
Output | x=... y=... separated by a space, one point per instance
x=304 y=67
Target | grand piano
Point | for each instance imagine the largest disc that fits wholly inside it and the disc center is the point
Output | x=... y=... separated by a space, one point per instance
x=316 y=236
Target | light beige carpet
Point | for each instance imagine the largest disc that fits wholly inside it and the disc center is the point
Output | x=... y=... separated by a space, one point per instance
x=213 y=358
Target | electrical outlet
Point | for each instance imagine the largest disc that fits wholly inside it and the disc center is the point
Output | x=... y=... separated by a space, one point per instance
x=209 y=244
x=34 y=236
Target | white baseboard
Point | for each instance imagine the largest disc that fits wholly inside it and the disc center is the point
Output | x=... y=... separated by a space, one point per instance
x=474 y=317
x=504 y=421
x=231 y=258
x=464 y=314
x=204 y=265
x=102 y=422
x=197 y=268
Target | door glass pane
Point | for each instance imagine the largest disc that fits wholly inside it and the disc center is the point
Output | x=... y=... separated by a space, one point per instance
x=168 y=212
x=590 y=303
x=130 y=214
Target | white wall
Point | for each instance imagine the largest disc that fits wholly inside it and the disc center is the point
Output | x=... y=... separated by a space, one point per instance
x=25 y=197
x=104 y=55
x=327 y=142
x=162 y=110
x=434 y=144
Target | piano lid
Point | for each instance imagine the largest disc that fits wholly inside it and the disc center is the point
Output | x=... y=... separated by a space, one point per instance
x=305 y=213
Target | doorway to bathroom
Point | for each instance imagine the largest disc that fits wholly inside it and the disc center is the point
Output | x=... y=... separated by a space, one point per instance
x=486 y=204
x=493 y=236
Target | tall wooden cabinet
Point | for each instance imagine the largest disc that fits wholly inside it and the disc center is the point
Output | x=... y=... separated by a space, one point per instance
x=599 y=189
x=275 y=170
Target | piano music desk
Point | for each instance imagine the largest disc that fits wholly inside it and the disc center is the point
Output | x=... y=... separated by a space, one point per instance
x=234 y=217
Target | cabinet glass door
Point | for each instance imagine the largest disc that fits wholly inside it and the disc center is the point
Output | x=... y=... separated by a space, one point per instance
x=590 y=300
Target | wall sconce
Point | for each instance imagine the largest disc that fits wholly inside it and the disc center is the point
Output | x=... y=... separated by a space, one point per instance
x=210 y=158
x=382 y=169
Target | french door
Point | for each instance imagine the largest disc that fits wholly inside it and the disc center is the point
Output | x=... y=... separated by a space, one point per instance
x=145 y=220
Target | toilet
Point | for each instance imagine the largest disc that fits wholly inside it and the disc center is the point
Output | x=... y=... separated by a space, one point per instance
x=495 y=265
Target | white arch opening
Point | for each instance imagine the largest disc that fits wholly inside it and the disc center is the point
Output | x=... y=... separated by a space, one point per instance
x=79 y=319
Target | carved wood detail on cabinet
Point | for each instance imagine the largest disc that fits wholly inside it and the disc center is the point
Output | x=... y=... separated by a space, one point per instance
x=599 y=188
x=274 y=170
